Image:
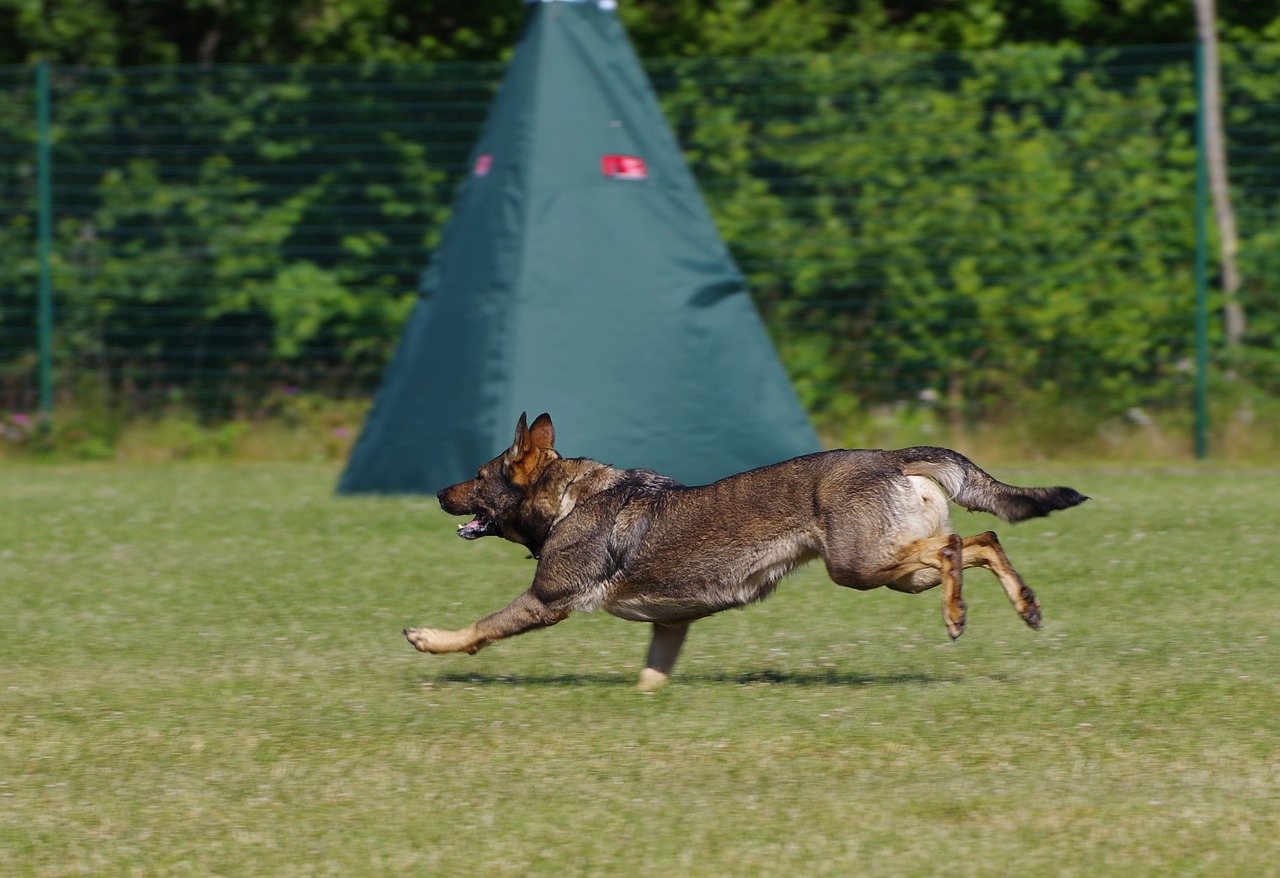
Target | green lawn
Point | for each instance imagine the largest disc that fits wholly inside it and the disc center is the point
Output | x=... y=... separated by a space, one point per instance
x=203 y=674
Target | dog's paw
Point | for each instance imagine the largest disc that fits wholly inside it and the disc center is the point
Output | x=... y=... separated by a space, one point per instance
x=1029 y=608
x=437 y=640
x=1031 y=615
x=424 y=639
x=955 y=619
x=651 y=680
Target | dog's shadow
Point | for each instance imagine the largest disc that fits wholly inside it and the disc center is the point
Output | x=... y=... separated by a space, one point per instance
x=758 y=677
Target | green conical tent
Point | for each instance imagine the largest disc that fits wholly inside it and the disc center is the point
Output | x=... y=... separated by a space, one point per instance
x=580 y=274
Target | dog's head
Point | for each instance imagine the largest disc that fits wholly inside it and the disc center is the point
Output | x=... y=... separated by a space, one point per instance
x=497 y=496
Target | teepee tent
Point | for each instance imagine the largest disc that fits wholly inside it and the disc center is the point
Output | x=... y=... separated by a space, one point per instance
x=580 y=273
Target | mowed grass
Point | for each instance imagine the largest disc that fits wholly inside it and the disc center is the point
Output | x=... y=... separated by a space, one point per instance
x=203 y=674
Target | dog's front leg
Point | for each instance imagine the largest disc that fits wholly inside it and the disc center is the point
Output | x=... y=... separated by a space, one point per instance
x=663 y=651
x=525 y=613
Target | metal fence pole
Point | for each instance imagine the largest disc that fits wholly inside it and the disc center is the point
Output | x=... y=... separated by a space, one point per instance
x=44 y=209
x=1201 y=263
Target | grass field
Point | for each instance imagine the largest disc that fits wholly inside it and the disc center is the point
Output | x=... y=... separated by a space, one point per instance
x=203 y=674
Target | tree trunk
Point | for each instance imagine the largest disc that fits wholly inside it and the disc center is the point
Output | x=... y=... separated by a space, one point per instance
x=1216 y=158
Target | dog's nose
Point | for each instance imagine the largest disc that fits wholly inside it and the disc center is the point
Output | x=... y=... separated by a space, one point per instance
x=440 y=495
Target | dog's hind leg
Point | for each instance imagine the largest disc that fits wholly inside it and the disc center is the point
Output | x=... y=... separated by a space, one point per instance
x=663 y=651
x=921 y=566
x=525 y=613
x=985 y=550
x=951 y=565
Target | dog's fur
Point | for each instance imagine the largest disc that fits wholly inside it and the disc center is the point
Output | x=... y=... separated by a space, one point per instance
x=644 y=547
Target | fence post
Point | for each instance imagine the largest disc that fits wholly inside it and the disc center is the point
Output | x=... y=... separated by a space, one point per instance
x=1202 y=262
x=44 y=210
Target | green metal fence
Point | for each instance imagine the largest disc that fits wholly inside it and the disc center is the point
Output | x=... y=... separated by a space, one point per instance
x=963 y=230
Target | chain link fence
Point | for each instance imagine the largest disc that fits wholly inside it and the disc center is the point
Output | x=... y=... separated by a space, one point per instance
x=962 y=232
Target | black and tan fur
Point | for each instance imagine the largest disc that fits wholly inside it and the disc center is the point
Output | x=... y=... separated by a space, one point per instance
x=641 y=546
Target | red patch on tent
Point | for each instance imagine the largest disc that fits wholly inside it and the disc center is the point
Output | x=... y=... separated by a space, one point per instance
x=483 y=164
x=624 y=167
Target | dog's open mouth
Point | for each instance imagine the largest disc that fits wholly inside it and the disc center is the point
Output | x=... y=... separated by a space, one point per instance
x=476 y=528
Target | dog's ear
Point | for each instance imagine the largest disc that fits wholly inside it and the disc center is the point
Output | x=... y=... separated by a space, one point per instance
x=522 y=434
x=534 y=447
x=543 y=432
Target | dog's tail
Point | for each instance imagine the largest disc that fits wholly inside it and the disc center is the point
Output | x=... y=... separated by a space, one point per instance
x=968 y=485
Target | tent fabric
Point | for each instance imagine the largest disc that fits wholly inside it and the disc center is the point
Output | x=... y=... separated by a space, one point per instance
x=581 y=274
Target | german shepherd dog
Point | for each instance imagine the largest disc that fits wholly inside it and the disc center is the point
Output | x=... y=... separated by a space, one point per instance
x=644 y=547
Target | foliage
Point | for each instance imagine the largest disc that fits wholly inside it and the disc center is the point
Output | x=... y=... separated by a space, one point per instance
x=285 y=425
x=970 y=232
x=96 y=33
x=99 y=34
x=1252 y=101
x=227 y=231
x=972 y=227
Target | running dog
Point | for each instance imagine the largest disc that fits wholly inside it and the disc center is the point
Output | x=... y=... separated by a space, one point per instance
x=644 y=547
